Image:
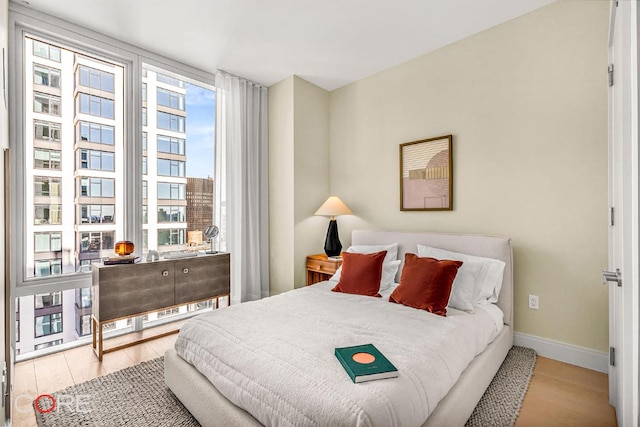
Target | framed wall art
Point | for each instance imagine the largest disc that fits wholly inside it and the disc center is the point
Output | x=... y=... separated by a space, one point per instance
x=426 y=175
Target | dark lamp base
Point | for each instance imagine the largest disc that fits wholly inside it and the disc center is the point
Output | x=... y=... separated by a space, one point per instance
x=332 y=245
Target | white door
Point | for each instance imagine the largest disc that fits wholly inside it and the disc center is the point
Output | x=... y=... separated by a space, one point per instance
x=623 y=198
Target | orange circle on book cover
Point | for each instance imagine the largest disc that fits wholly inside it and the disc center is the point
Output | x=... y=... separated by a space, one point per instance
x=363 y=358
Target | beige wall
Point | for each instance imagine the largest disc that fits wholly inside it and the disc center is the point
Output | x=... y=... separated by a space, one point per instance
x=298 y=178
x=526 y=103
x=281 y=179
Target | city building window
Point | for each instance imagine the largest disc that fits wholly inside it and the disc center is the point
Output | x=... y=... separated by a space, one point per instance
x=47 y=131
x=170 y=167
x=47 y=186
x=45 y=50
x=170 y=99
x=144 y=189
x=46 y=76
x=144 y=91
x=48 y=242
x=171 y=191
x=96 y=160
x=47 y=300
x=48 y=324
x=169 y=80
x=84 y=326
x=97 y=214
x=145 y=219
x=96 y=241
x=96 y=106
x=97 y=187
x=47 y=344
x=96 y=79
x=46 y=104
x=93 y=132
x=83 y=297
x=144 y=140
x=170 y=145
x=144 y=165
x=170 y=122
x=171 y=213
x=47 y=267
x=47 y=214
x=173 y=236
x=46 y=159
x=144 y=116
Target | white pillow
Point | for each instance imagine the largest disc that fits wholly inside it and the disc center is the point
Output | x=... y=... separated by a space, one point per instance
x=390 y=264
x=488 y=280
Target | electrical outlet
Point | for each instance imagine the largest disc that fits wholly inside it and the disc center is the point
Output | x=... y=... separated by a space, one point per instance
x=533 y=302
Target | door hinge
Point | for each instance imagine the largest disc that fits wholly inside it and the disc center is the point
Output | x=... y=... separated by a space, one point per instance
x=616 y=2
x=611 y=212
x=610 y=73
x=612 y=356
x=612 y=276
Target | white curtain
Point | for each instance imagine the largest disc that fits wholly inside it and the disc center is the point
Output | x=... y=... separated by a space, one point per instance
x=241 y=208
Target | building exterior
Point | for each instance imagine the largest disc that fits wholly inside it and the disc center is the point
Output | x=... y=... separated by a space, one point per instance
x=199 y=204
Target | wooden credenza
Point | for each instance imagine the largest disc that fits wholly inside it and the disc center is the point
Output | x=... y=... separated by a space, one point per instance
x=128 y=290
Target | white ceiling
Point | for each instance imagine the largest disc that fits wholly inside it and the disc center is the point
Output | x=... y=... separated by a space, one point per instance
x=330 y=43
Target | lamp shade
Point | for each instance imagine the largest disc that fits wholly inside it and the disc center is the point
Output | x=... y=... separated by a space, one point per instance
x=332 y=207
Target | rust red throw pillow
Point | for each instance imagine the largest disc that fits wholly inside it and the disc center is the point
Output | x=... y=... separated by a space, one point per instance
x=426 y=283
x=361 y=274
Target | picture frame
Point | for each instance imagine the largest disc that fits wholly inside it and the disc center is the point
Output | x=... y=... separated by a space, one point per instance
x=426 y=174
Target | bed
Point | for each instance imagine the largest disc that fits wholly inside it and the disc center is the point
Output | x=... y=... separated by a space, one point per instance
x=210 y=406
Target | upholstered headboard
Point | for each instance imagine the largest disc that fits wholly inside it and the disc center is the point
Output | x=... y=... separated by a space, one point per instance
x=471 y=244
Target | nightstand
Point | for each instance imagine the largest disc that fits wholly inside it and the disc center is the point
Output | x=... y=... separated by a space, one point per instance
x=320 y=268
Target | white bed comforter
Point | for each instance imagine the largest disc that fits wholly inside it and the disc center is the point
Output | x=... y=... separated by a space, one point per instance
x=275 y=357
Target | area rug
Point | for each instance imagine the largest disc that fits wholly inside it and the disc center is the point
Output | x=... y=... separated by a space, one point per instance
x=137 y=396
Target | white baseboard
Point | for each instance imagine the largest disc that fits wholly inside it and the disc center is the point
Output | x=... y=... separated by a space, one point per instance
x=568 y=353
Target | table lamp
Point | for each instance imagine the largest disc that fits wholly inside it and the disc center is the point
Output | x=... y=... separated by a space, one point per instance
x=333 y=207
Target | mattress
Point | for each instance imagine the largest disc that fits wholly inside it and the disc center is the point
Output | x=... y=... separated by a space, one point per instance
x=274 y=357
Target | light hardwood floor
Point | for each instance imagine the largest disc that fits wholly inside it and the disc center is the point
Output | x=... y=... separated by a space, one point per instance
x=559 y=394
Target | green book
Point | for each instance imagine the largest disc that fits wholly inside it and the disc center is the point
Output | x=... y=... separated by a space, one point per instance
x=365 y=363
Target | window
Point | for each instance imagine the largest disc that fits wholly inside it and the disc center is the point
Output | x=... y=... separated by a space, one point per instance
x=97 y=214
x=170 y=167
x=47 y=344
x=47 y=214
x=64 y=231
x=48 y=300
x=46 y=159
x=96 y=241
x=144 y=165
x=47 y=131
x=171 y=191
x=48 y=242
x=47 y=267
x=169 y=80
x=84 y=327
x=46 y=76
x=96 y=160
x=45 y=50
x=170 y=99
x=171 y=213
x=93 y=132
x=46 y=104
x=97 y=187
x=48 y=324
x=96 y=79
x=170 y=145
x=47 y=186
x=172 y=236
x=170 y=122
x=83 y=297
x=96 y=106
